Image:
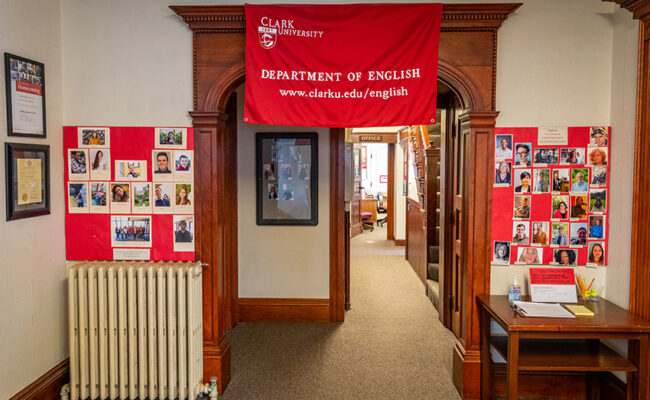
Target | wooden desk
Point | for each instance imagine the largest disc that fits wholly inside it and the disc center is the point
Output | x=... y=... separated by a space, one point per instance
x=568 y=345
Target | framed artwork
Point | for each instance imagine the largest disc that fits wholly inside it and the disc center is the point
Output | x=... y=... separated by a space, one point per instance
x=25 y=90
x=287 y=178
x=27 y=179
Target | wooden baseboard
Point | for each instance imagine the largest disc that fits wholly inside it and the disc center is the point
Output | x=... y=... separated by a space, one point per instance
x=400 y=242
x=48 y=386
x=283 y=310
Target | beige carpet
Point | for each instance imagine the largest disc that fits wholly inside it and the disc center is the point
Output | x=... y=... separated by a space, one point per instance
x=391 y=345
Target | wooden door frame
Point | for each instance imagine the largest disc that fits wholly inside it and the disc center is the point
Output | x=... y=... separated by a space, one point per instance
x=218 y=34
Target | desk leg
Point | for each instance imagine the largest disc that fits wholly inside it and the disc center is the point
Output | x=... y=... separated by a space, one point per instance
x=512 y=366
x=644 y=367
x=486 y=359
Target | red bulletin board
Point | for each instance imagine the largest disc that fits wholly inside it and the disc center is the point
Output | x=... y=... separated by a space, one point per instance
x=88 y=235
x=540 y=203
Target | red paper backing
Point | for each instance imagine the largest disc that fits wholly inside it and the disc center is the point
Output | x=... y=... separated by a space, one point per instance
x=540 y=207
x=88 y=236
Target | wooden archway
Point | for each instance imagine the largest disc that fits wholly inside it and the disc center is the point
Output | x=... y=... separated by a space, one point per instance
x=468 y=44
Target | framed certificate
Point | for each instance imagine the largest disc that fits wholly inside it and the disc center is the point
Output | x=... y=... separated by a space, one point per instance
x=25 y=88
x=27 y=180
x=287 y=178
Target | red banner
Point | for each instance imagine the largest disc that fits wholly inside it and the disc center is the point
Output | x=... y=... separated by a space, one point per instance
x=353 y=65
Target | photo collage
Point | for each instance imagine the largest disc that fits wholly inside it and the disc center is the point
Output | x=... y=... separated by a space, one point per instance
x=550 y=203
x=132 y=189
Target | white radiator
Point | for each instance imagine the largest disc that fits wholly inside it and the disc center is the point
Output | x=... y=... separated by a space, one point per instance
x=135 y=330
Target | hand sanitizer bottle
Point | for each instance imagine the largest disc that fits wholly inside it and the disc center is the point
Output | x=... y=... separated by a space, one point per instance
x=514 y=294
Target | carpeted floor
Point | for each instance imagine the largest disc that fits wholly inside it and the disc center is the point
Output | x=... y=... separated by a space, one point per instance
x=391 y=345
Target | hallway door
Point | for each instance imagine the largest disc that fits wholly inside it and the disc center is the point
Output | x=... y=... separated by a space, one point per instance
x=458 y=144
x=355 y=204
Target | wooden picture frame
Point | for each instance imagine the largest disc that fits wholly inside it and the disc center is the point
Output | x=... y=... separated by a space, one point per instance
x=287 y=178
x=27 y=180
x=25 y=114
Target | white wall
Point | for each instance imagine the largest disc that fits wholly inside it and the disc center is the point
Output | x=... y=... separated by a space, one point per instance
x=280 y=261
x=400 y=198
x=377 y=165
x=544 y=79
x=32 y=287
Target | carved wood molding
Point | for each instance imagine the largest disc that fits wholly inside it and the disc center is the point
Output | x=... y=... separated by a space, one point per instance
x=640 y=8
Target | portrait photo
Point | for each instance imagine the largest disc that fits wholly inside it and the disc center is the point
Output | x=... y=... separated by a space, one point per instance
x=579 y=207
x=560 y=207
x=286 y=171
x=183 y=233
x=520 y=233
x=130 y=231
x=287 y=192
x=99 y=197
x=596 y=253
x=304 y=171
x=183 y=195
x=120 y=197
x=596 y=226
x=502 y=174
x=578 y=234
x=503 y=147
x=598 y=176
x=183 y=165
x=598 y=136
x=522 y=207
x=580 y=180
x=161 y=165
x=162 y=198
x=559 y=234
x=597 y=156
x=598 y=201
x=543 y=157
x=565 y=256
x=523 y=156
x=170 y=138
x=540 y=233
x=94 y=137
x=501 y=253
x=100 y=164
x=542 y=180
x=272 y=193
x=269 y=172
x=523 y=180
x=131 y=170
x=561 y=182
x=78 y=197
x=78 y=164
x=529 y=255
x=141 y=197
x=572 y=155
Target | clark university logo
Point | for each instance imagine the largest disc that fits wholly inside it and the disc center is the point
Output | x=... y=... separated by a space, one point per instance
x=268 y=36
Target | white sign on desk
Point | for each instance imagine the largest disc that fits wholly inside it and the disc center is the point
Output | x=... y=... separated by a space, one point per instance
x=552 y=285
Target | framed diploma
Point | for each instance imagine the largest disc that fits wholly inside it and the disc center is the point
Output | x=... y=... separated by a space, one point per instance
x=28 y=180
x=25 y=88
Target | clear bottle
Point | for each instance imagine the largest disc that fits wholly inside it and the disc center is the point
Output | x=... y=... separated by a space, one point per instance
x=514 y=294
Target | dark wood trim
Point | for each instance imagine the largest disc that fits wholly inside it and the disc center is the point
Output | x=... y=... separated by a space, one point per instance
x=347 y=236
x=337 y=225
x=48 y=386
x=390 y=229
x=400 y=242
x=283 y=310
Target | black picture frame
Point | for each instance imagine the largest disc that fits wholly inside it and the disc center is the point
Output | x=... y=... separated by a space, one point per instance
x=14 y=152
x=32 y=73
x=294 y=201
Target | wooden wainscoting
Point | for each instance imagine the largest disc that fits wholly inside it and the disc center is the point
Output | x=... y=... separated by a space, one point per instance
x=48 y=386
x=416 y=239
x=283 y=310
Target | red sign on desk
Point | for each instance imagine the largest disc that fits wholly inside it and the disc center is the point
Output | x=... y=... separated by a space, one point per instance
x=551 y=276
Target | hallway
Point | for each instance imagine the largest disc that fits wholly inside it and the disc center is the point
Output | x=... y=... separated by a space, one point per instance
x=391 y=345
